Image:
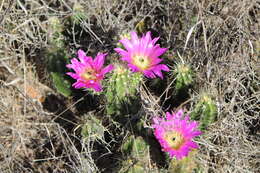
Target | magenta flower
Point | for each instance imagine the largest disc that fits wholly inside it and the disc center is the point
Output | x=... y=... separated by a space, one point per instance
x=142 y=54
x=88 y=72
x=175 y=134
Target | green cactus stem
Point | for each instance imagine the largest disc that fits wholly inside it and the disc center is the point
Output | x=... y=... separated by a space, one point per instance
x=57 y=57
x=121 y=87
x=205 y=111
x=185 y=165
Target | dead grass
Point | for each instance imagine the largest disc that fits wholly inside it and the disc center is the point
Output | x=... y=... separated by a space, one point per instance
x=219 y=39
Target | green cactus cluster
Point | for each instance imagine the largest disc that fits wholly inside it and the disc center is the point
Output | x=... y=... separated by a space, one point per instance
x=57 y=57
x=205 y=111
x=121 y=86
x=93 y=129
x=121 y=89
x=184 y=76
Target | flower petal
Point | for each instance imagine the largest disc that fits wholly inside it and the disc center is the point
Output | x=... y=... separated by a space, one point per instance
x=181 y=128
x=107 y=69
x=99 y=60
x=143 y=47
x=88 y=72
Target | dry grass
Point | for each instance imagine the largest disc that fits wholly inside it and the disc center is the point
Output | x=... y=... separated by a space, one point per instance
x=220 y=39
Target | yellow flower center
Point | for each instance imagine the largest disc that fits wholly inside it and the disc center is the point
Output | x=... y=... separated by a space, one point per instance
x=174 y=139
x=89 y=74
x=141 y=62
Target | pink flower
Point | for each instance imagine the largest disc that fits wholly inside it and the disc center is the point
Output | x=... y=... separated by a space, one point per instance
x=88 y=72
x=175 y=134
x=142 y=54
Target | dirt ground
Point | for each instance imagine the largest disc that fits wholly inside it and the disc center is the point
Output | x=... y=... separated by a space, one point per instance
x=41 y=126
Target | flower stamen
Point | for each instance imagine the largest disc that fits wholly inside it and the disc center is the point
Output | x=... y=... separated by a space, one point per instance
x=89 y=72
x=89 y=75
x=174 y=139
x=142 y=54
x=175 y=133
x=141 y=62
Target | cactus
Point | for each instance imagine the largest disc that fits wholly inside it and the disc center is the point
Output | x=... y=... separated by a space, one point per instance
x=78 y=13
x=184 y=76
x=136 y=147
x=132 y=166
x=137 y=152
x=56 y=62
x=121 y=86
x=61 y=84
x=93 y=129
x=205 y=111
x=57 y=57
x=186 y=165
x=56 y=39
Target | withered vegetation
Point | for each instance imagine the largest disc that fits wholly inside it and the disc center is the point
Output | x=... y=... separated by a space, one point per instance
x=219 y=39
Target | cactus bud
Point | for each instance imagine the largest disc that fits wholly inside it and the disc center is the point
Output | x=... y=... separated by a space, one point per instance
x=141 y=26
x=184 y=76
x=55 y=24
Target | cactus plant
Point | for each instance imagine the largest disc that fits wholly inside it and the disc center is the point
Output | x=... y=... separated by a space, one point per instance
x=185 y=165
x=184 y=76
x=136 y=151
x=57 y=57
x=121 y=85
x=55 y=27
x=61 y=84
x=56 y=61
x=132 y=166
x=93 y=129
x=138 y=160
x=136 y=147
x=205 y=111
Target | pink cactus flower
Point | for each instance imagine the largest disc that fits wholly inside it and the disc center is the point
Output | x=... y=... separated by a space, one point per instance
x=142 y=54
x=88 y=72
x=175 y=134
